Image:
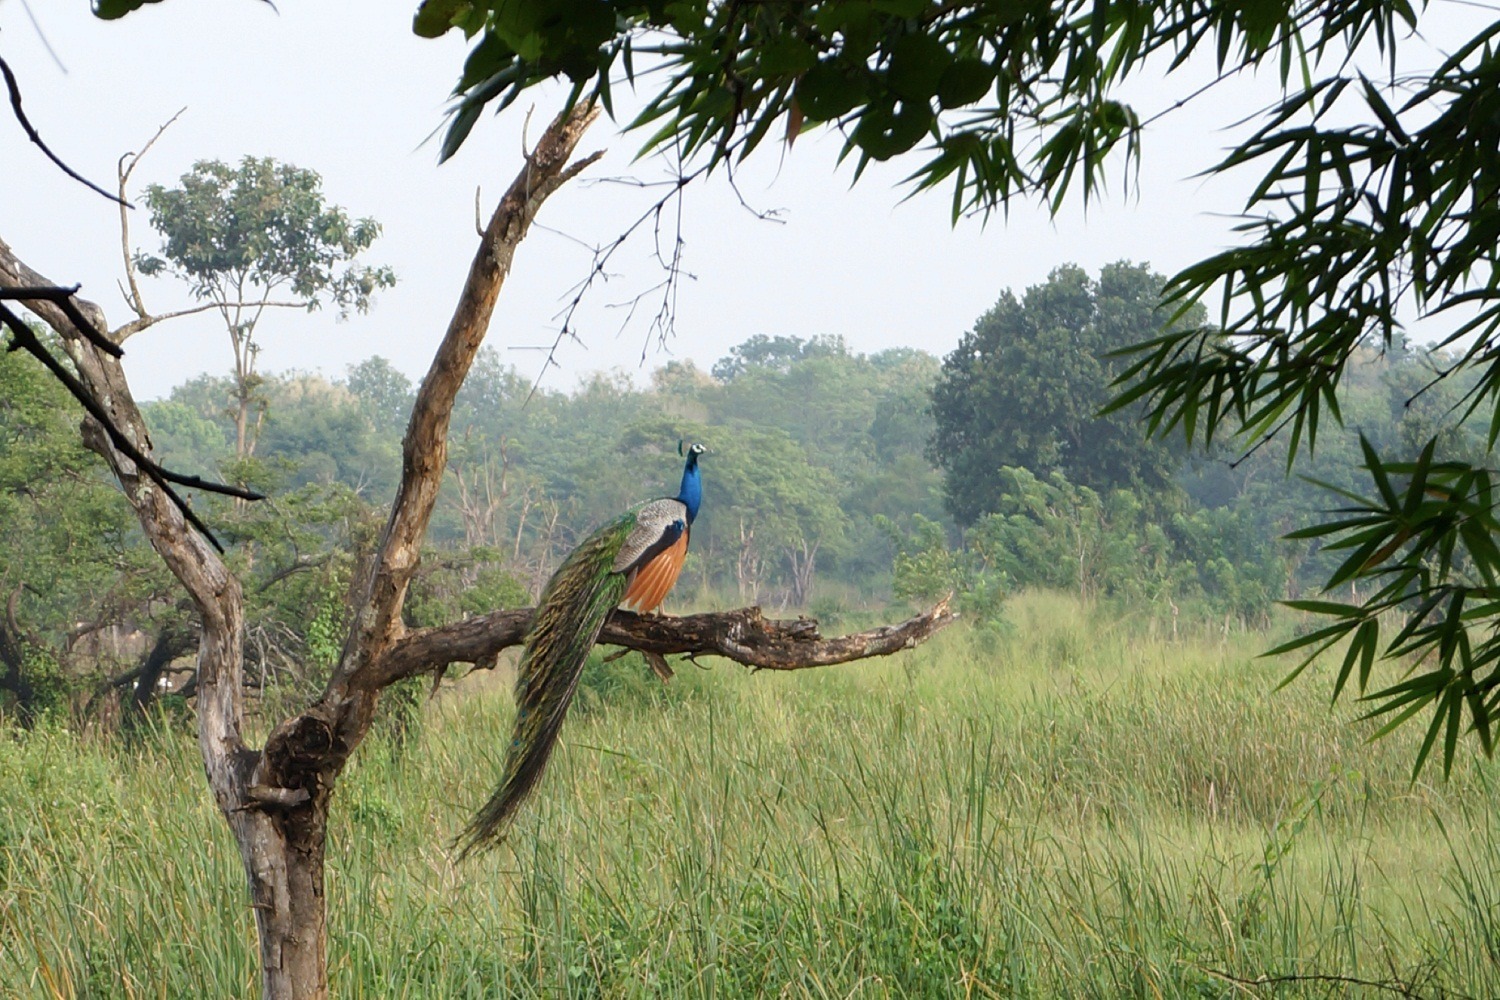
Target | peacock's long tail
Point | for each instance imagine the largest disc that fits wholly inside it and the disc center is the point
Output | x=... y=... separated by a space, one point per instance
x=572 y=609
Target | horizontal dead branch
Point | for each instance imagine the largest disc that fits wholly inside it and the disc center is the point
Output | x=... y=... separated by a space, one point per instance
x=745 y=636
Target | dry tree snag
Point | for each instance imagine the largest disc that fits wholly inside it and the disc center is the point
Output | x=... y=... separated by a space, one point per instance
x=276 y=798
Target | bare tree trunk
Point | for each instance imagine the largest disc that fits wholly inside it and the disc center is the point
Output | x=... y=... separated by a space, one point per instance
x=482 y=495
x=551 y=512
x=13 y=659
x=303 y=757
x=276 y=800
x=804 y=560
x=173 y=641
x=747 y=564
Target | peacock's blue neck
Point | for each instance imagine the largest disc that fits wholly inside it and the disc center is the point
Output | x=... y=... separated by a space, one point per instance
x=691 y=493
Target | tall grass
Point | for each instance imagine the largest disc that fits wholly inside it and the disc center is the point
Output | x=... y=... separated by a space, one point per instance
x=1068 y=808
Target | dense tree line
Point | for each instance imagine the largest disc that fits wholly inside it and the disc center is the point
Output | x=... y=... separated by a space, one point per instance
x=1055 y=486
x=895 y=475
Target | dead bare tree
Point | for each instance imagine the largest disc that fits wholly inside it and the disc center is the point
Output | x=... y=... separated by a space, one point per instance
x=276 y=798
x=482 y=493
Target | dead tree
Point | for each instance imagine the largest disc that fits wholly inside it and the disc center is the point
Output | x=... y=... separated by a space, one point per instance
x=276 y=798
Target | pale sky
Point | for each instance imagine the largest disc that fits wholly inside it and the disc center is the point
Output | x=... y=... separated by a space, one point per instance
x=355 y=97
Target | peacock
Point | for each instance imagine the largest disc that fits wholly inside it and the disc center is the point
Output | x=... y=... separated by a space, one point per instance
x=629 y=563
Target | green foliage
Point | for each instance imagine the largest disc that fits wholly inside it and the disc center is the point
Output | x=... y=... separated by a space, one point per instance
x=111 y=9
x=776 y=354
x=326 y=628
x=1426 y=537
x=386 y=393
x=297 y=555
x=261 y=227
x=71 y=560
x=191 y=439
x=1024 y=388
x=793 y=492
x=241 y=237
x=1240 y=567
x=829 y=505
x=777 y=497
x=41 y=687
x=330 y=435
x=467 y=582
x=1006 y=100
x=1363 y=208
x=1053 y=533
x=624 y=683
x=926 y=569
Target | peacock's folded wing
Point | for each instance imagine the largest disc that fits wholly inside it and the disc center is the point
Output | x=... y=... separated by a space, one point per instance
x=651 y=557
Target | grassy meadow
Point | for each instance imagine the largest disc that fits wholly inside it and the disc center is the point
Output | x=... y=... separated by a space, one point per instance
x=1072 y=807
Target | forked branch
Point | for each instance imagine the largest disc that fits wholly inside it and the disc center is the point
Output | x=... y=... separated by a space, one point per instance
x=348 y=702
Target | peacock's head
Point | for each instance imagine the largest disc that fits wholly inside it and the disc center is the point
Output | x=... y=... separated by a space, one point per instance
x=691 y=451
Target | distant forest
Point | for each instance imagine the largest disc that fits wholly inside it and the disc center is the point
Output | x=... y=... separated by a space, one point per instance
x=836 y=483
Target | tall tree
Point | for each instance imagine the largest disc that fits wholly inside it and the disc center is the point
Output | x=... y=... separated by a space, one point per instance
x=383 y=390
x=243 y=235
x=777 y=354
x=275 y=798
x=1024 y=388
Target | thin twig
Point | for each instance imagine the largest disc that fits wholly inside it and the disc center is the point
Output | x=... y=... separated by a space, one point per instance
x=62 y=297
x=124 y=167
x=42 y=35
x=31 y=132
x=602 y=257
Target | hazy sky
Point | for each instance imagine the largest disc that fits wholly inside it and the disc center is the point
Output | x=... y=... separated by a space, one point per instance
x=355 y=96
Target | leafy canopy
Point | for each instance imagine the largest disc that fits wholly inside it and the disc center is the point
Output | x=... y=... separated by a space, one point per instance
x=1005 y=98
x=241 y=236
x=1025 y=386
x=258 y=228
